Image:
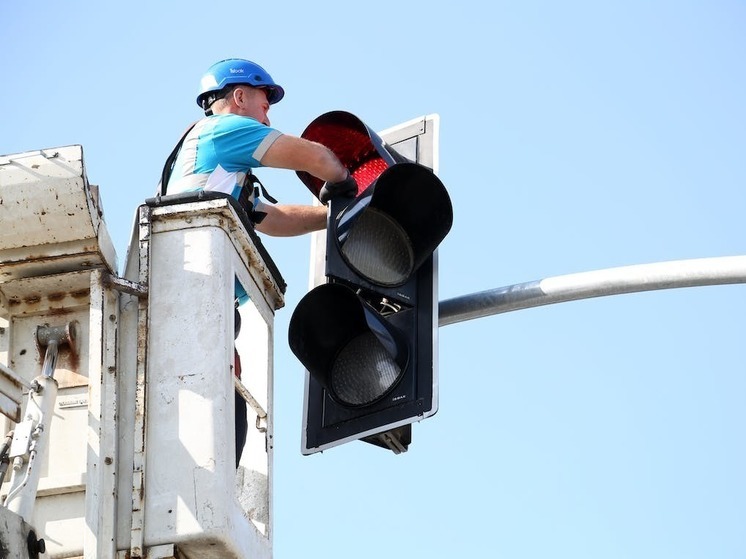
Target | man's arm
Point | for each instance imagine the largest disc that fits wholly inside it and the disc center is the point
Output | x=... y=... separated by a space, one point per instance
x=289 y=220
x=298 y=154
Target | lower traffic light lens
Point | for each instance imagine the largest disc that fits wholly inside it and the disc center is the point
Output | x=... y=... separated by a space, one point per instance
x=379 y=248
x=363 y=371
x=354 y=353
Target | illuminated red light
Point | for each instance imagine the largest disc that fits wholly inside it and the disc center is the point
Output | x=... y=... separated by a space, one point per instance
x=358 y=148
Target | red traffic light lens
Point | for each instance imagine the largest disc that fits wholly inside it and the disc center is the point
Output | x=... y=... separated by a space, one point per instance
x=358 y=147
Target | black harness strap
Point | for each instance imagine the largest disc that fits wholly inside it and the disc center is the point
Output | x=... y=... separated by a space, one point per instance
x=252 y=180
x=168 y=168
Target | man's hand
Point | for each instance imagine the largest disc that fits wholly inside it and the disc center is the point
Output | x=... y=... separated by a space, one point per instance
x=346 y=187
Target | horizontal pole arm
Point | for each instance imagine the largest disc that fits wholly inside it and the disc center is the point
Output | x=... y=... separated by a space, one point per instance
x=599 y=283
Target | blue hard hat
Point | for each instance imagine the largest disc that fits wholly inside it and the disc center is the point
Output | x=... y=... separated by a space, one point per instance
x=235 y=71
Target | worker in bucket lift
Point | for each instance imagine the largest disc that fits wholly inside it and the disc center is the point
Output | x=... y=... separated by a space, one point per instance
x=218 y=153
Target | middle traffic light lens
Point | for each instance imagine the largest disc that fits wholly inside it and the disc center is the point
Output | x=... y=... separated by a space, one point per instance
x=379 y=248
x=363 y=371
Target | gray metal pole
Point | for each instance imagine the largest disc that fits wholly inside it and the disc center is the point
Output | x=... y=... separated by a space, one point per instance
x=599 y=283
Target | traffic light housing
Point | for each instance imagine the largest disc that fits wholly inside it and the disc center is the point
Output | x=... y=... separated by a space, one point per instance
x=368 y=336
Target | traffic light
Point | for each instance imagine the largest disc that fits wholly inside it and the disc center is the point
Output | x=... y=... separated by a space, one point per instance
x=368 y=336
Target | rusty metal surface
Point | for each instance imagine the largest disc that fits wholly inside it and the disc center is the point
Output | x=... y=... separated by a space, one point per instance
x=101 y=479
x=52 y=218
x=138 y=465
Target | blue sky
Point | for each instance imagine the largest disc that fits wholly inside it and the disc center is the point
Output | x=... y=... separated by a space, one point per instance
x=575 y=136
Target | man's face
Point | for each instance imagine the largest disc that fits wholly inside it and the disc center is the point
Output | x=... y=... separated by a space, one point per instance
x=252 y=102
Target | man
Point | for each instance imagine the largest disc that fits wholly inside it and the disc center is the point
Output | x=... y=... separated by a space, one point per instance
x=219 y=151
x=235 y=137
